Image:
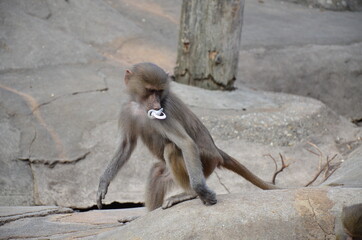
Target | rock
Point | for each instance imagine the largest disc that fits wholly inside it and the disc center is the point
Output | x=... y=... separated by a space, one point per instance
x=16 y=180
x=265 y=26
x=30 y=42
x=335 y=5
x=47 y=141
x=280 y=214
x=247 y=124
x=349 y=173
x=314 y=71
x=302 y=57
x=97 y=22
x=59 y=223
x=61 y=87
x=10 y=214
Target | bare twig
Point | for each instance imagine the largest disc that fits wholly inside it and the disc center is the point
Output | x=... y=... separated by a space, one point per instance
x=326 y=168
x=312 y=152
x=327 y=173
x=330 y=174
x=320 y=154
x=275 y=162
x=316 y=176
x=284 y=165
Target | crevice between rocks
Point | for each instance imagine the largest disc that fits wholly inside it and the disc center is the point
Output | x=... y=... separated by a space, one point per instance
x=53 y=163
x=33 y=140
x=113 y=205
x=357 y=122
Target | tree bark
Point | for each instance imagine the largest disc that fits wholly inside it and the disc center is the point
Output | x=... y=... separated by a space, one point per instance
x=209 y=41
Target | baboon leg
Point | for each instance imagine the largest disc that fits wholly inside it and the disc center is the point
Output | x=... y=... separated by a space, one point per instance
x=176 y=164
x=159 y=182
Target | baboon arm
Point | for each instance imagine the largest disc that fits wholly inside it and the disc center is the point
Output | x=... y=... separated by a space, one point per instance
x=190 y=152
x=121 y=156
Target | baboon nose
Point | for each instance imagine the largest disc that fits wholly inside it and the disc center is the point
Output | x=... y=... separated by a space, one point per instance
x=156 y=107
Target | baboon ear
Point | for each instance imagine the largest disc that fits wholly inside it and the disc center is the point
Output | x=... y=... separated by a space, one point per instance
x=127 y=76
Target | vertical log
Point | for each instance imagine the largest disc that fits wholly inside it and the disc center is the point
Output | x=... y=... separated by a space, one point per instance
x=209 y=41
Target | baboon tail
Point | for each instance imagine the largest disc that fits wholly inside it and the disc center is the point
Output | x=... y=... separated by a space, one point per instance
x=238 y=168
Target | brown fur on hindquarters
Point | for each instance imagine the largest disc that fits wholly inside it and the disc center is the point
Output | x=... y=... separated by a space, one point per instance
x=184 y=146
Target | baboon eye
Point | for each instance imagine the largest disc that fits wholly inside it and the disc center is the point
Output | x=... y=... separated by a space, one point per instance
x=150 y=91
x=154 y=91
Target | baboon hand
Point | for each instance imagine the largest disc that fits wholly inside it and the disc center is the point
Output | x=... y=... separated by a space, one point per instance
x=208 y=197
x=101 y=194
x=210 y=200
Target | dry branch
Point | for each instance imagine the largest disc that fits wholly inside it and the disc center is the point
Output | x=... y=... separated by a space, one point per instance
x=327 y=168
x=277 y=171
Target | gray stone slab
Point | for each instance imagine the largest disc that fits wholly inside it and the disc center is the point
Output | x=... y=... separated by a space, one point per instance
x=276 y=24
x=349 y=173
x=16 y=180
x=30 y=42
x=10 y=214
x=68 y=153
x=328 y=73
x=279 y=214
x=60 y=223
x=61 y=87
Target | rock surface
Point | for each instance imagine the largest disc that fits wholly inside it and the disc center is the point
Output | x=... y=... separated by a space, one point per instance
x=335 y=5
x=314 y=53
x=304 y=213
x=10 y=214
x=61 y=70
x=59 y=223
x=349 y=173
x=280 y=214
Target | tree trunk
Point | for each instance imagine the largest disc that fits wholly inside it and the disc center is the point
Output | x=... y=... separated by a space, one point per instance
x=209 y=41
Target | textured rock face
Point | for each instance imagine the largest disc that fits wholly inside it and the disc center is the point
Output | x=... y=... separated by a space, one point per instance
x=66 y=174
x=312 y=213
x=309 y=64
x=317 y=74
x=50 y=222
x=61 y=87
x=335 y=5
x=349 y=173
x=279 y=214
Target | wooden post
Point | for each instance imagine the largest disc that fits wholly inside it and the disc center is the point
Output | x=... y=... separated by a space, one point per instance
x=209 y=41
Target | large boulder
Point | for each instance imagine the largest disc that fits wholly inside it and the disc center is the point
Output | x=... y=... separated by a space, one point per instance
x=298 y=56
x=51 y=222
x=61 y=87
x=349 y=173
x=64 y=156
x=279 y=214
x=334 y=5
x=328 y=73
